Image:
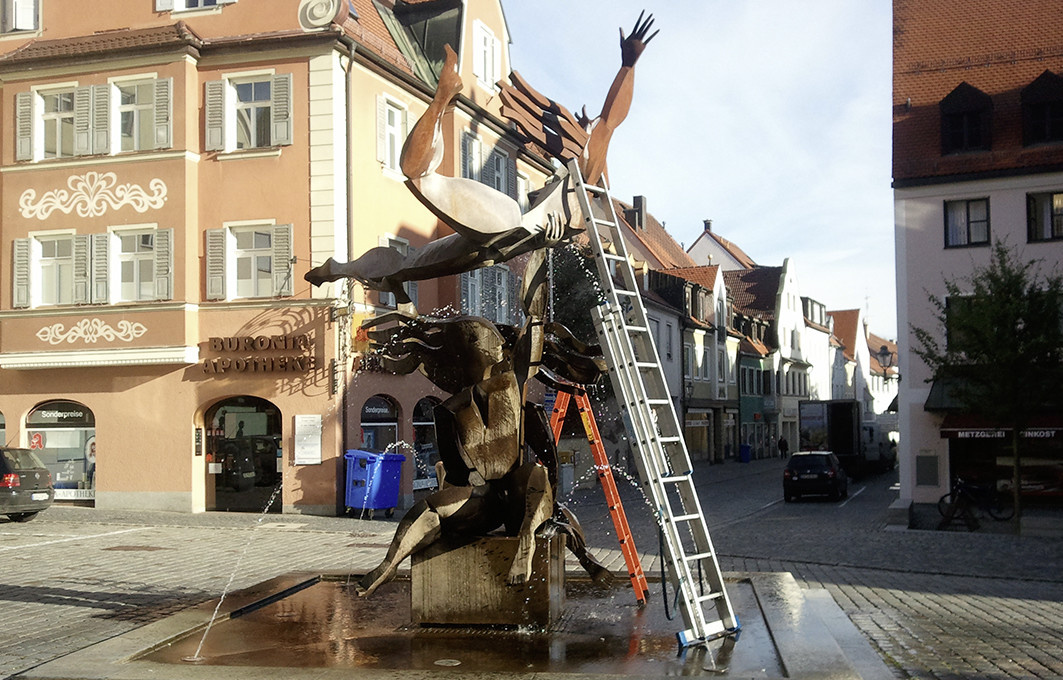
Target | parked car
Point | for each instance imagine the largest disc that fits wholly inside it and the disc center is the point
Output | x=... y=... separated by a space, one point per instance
x=25 y=484
x=814 y=472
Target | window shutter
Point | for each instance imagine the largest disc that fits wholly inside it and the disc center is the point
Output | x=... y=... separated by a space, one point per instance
x=216 y=264
x=20 y=273
x=101 y=266
x=488 y=294
x=464 y=301
x=381 y=129
x=163 y=113
x=470 y=162
x=163 y=5
x=214 y=103
x=83 y=120
x=24 y=126
x=511 y=178
x=101 y=119
x=282 y=260
x=496 y=60
x=282 y=109
x=480 y=46
x=164 y=264
x=82 y=269
x=25 y=14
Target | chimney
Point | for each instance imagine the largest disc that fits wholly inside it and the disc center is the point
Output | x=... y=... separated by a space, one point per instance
x=639 y=203
x=708 y=226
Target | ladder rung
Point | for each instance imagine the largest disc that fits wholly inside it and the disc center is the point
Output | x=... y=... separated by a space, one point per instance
x=645 y=364
x=686 y=518
x=629 y=293
x=669 y=440
x=658 y=402
x=705 y=598
x=698 y=557
x=593 y=188
x=673 y=479
x=618 y=258
x=604 y=223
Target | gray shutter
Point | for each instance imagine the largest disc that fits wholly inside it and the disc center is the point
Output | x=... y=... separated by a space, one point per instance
x=163 y=113
x=464 y=301
x=164 y=264
x=281 y=109
x=82 y=269
x=101 y=119
x=20 y=272
x=467 y=171
x=214 y=103
x=282 y=260
x=83 y=120
x=163 y=5
x=216 y=264
x=101 y=268
x=381 y=129
x=511 y=178
x=24 y=126
x=488 y=293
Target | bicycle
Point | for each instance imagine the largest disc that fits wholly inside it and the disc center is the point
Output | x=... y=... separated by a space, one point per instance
x=977 y=499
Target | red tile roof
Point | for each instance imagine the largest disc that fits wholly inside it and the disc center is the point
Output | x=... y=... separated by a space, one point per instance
x=754 y=290
x=846 y=329
x=704 y=276
x=652 y=240
x=733 y=249
x=154 y=39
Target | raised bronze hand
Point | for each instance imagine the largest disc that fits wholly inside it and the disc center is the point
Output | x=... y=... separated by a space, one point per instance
x=632 y=46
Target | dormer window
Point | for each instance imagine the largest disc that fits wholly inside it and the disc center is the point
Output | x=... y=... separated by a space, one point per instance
x=966 y=120
x=1042 y=110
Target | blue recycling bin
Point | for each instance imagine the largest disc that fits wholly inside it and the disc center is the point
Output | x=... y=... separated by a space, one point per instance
x=373 y=481
x=745 y=453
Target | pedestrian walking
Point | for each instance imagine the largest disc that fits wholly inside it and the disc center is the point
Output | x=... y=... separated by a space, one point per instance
x=784 y=447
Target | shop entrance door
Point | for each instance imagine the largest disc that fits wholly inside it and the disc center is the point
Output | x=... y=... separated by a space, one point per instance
x=243 y=445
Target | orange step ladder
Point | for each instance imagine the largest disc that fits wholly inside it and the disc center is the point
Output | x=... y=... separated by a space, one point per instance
x=605 y=476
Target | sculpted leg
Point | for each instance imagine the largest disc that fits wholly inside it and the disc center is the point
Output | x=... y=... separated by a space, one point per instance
x=538 y=506
x=420 y=527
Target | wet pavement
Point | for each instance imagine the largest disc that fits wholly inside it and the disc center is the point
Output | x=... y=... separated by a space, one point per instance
x=928 y=604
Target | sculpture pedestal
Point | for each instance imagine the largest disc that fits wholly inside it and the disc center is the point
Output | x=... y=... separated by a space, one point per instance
x=464 y=583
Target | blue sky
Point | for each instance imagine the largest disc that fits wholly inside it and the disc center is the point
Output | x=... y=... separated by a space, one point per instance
x=769 y=117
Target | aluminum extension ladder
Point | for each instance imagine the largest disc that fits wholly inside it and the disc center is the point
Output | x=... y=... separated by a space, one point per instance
x=605 y=476
x=652 y=426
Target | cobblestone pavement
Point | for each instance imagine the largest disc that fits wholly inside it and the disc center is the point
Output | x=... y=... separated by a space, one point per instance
x=935 y=604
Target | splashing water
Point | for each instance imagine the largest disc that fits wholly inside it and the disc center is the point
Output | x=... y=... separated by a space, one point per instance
x=232 y=577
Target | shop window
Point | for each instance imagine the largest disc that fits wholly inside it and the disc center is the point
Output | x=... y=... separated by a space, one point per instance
x=124 y=116
x=249 y=262
x=966 y=120
x=244 y=453
x=251 y=112
x=425 y=447
x=63 y=435
x=380 y=424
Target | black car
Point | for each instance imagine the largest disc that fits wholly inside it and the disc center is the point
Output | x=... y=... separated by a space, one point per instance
x=25 y=484
x=814 y=472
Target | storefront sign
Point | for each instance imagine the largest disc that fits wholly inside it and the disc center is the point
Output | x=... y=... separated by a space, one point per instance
x=257 y=362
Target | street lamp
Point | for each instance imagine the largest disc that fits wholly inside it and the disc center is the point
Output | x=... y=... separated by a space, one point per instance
x=885 y=359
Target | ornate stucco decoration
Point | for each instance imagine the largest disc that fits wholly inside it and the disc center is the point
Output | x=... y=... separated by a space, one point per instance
x=90 y=331
x=320 y=13
x=91 y=194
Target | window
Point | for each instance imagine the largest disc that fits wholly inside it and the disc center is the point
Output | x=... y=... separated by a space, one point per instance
x=490 y=292
x=93 y=119
x=523 y=189
x=496 y=169
x=391 y=133
x=249 y=262
x=18 y=15
x=136 y=110
x=966 y=223
x=1044 y=217
x=182 y=5
x=57 y=123
x=1042 y=110
x=56 y=265
x=252 y=112
x=487 y=55
x=123 y=266
x=966 y=120
x=136 y=266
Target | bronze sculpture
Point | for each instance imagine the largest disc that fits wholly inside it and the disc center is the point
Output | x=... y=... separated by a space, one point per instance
x=486 y=425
